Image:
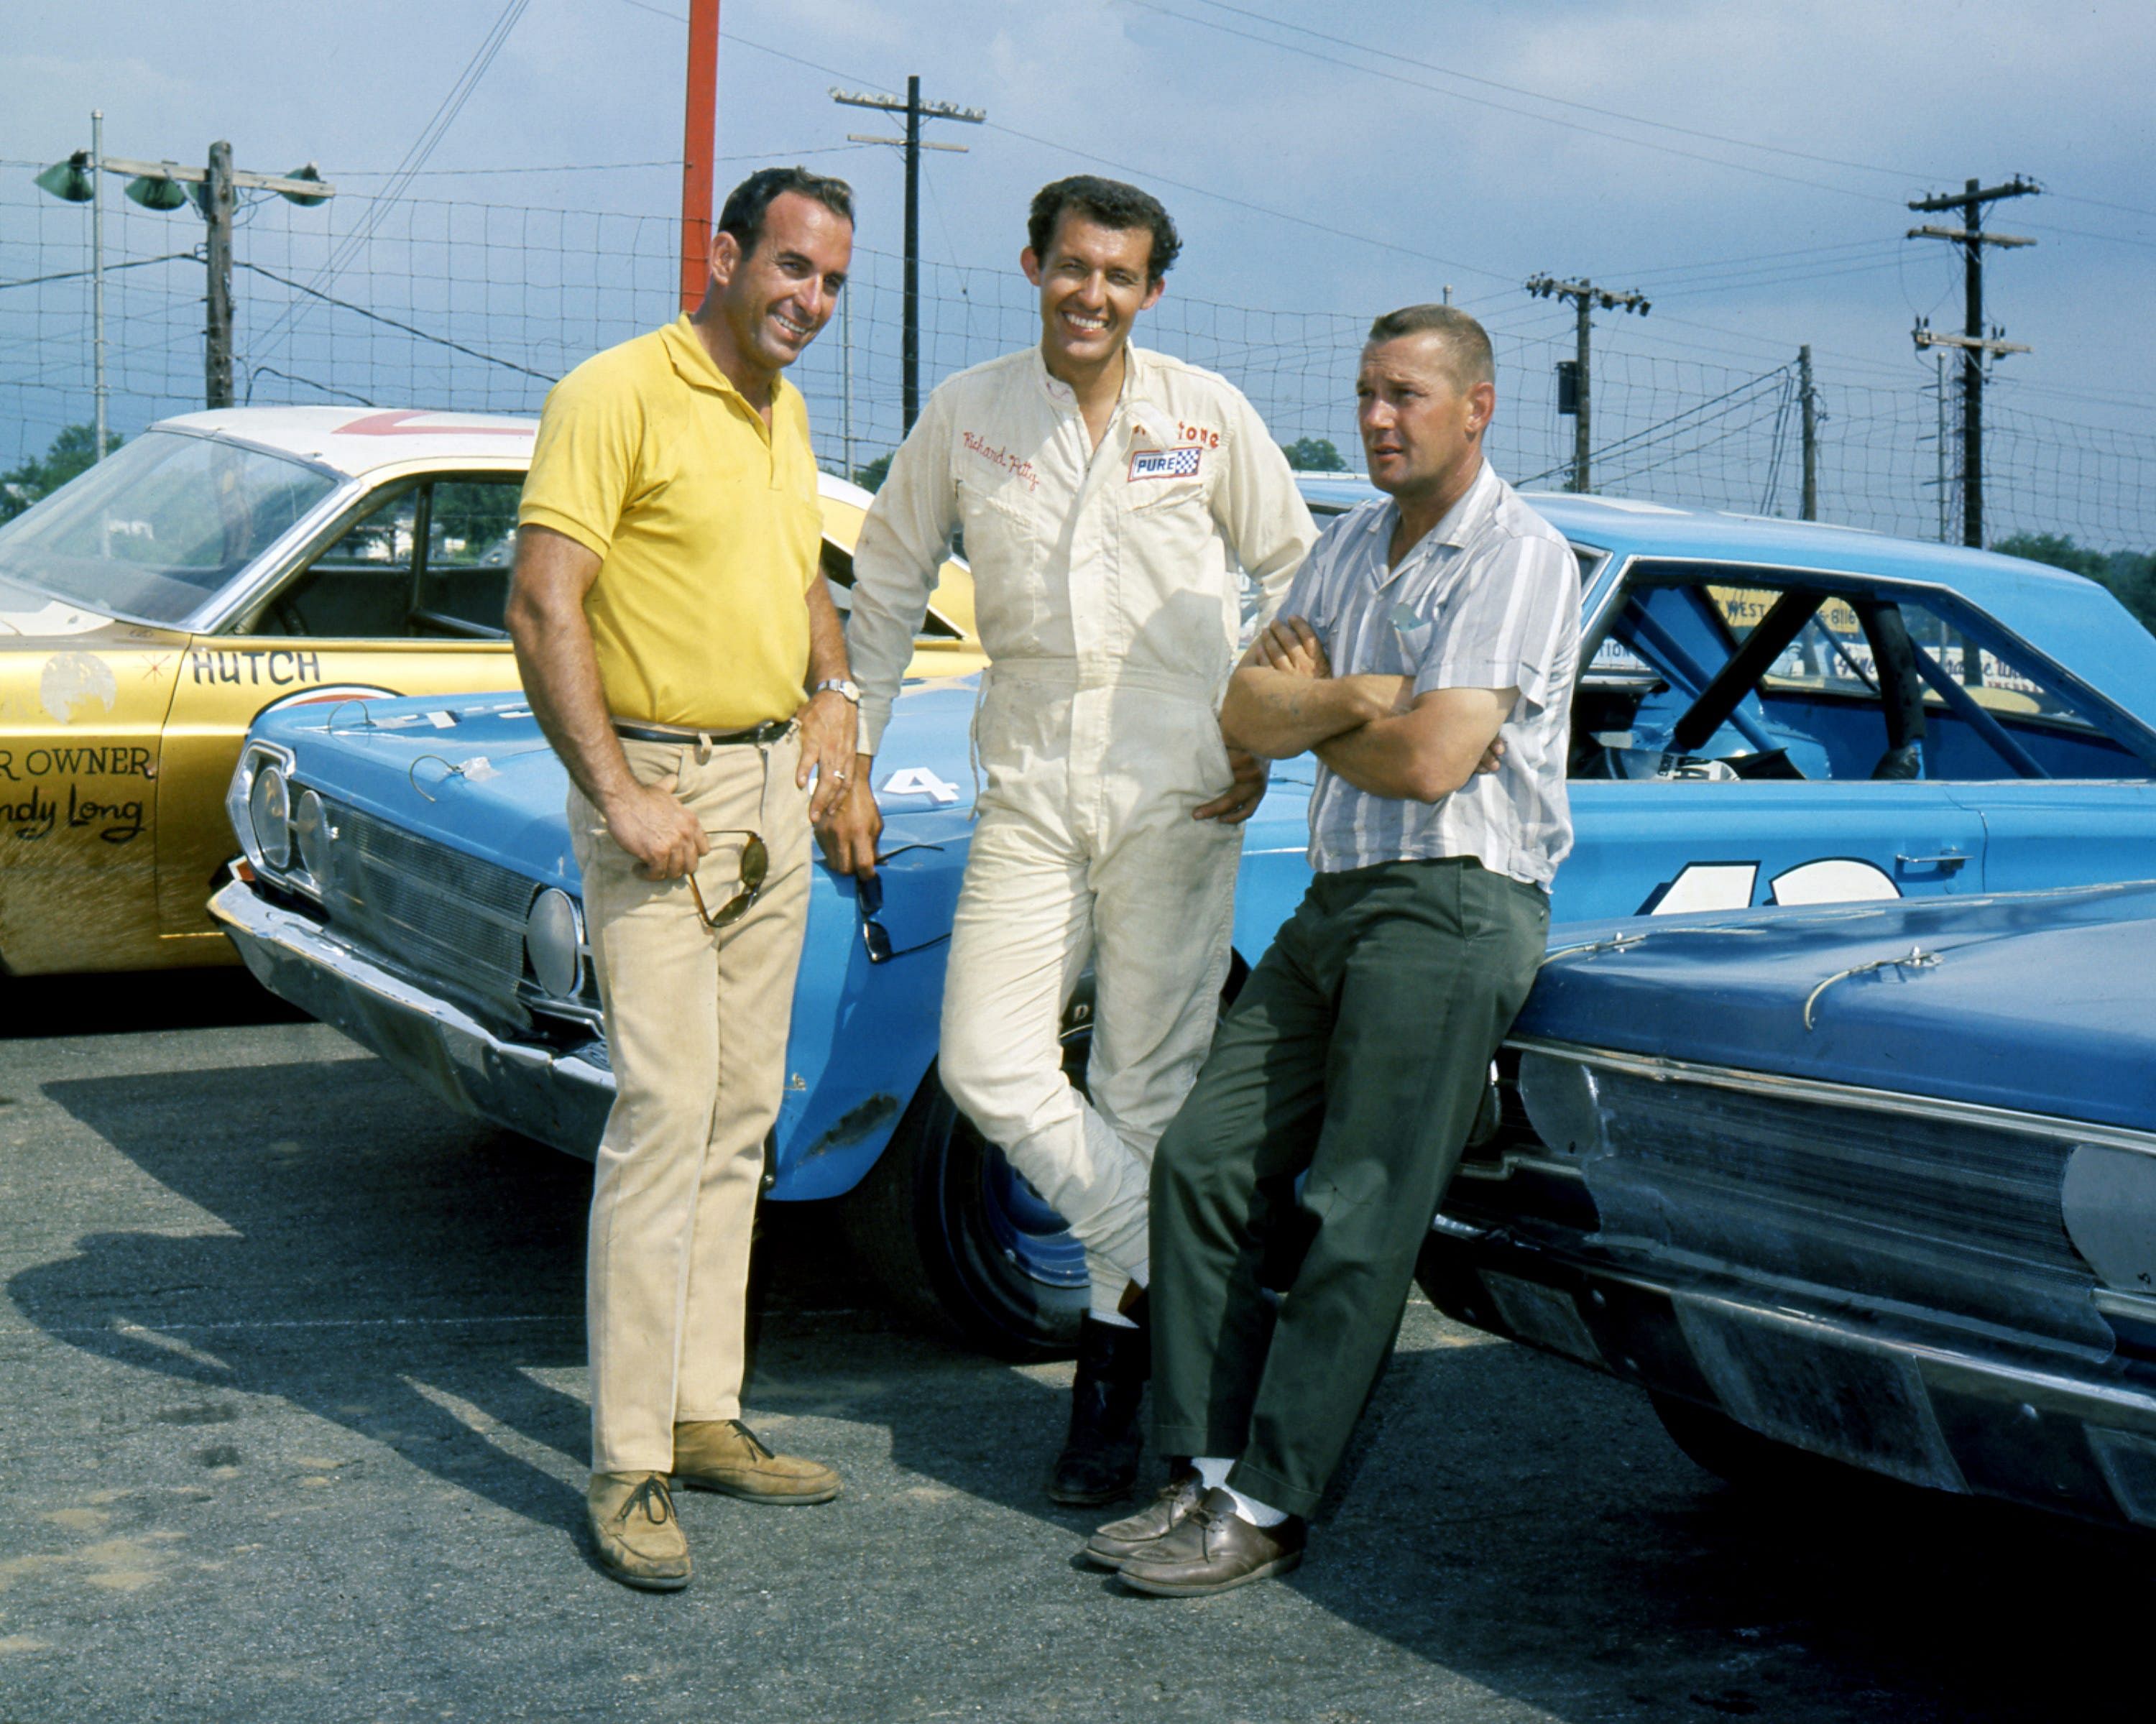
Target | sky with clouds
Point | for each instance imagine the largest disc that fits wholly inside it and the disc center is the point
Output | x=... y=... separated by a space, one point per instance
x=1747 y=166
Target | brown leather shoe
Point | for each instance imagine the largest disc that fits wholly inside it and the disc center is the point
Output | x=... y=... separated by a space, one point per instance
x=723 y=1455
x=638 y=1540
x=1110 y=1544
x=1211 y=1550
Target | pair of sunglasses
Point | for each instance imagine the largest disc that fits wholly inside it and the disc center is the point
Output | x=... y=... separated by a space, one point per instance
x=755 y=870
x=868 y=899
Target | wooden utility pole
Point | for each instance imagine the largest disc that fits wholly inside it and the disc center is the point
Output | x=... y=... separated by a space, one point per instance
x=916 y=111
x=1809 y=402
x=159 y=186
x=700 y=135
x=1585 y=296
x=1974 y=344
x=216 y=205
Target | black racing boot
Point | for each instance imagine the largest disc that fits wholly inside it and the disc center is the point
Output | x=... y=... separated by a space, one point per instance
x=1100 y=1459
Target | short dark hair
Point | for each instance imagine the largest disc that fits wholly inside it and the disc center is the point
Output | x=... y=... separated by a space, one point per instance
x=748 y=203
x=1113 y=204
x=1466 y=342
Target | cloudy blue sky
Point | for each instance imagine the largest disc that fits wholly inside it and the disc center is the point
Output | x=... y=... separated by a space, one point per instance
x=1746 y=165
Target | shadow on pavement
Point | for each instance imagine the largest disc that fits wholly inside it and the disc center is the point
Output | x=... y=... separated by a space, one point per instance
x=1518 y=1518
x=406 y=1274
x=121 y=1004
x=401 y=1283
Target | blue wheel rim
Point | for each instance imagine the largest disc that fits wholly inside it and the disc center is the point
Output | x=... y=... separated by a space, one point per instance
x=1032 y=1237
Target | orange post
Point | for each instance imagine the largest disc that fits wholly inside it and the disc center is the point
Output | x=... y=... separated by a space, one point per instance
x=699 y=131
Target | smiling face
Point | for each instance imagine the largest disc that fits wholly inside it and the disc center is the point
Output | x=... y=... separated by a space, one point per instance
x=1422 y=426
x=1094 y=282
x=773 y=303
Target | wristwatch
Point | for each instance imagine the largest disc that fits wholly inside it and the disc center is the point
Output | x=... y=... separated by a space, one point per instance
x=843 y=687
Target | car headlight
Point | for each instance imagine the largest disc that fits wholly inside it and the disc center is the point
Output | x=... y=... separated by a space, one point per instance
x=310 y=826
x=551 y=942
x=270 y=813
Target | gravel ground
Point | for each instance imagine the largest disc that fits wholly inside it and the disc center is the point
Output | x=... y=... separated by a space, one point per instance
x=292 y=1388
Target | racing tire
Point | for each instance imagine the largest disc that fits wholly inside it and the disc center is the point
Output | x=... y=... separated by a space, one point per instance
x=950 y=1232
x=952 y=1236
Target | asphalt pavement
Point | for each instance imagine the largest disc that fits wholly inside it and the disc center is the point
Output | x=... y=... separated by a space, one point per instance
x=292 y=1428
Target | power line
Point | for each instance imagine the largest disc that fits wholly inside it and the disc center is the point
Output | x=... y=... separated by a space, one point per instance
x=1149 y=173
x=408 y=329
x=1506 y=108
x=79 y=274
x=2084 y=234
x=430 y=135
x=601 y=166
x=1564 y=101
x=1762 y=256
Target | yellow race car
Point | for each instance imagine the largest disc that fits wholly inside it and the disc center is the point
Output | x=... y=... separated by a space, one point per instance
x=226 y=562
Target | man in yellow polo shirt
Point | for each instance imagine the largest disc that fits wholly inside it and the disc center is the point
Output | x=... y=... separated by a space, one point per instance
x=682 y=653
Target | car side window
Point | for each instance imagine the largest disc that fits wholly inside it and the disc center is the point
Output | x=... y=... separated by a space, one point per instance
x=838 y=565
x=1774 y=673
x=432 y=557
x=360 y=586
x=471 y=544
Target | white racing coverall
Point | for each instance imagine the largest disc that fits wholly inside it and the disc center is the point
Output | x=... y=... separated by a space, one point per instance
x=1107 y=594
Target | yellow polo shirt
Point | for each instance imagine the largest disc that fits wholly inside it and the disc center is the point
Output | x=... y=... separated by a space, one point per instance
x=706 y=523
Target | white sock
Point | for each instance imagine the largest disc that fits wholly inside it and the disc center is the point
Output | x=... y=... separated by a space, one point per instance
x=1113 y=1319
x=1258 y=1514
x=1212 y=1471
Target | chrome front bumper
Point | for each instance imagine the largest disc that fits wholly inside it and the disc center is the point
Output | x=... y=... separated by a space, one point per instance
x=2078 y=1438
x=557 y=1098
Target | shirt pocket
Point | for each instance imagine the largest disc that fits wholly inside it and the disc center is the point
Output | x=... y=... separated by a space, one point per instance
x=1145 y=496
x=998 y=524
x=1406 y=641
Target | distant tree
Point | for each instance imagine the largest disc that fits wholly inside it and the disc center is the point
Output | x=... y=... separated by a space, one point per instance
x=2131 y=575
x=871 y=477
x=72 y=451
x=1313 y=455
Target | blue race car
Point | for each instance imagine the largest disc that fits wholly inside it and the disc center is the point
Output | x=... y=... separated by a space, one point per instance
x=1771 y=713
x=1874 y=1183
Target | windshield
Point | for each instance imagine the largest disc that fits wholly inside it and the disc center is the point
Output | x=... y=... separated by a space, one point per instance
x=159 y=526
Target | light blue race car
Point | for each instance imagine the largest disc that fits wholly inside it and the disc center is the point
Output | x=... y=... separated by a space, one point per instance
x=1770 y=713
x=1871 y=1183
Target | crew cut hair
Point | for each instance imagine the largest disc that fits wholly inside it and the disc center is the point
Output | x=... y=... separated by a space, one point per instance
x=750 y=201
x=1466 y=342
x=1113 y=204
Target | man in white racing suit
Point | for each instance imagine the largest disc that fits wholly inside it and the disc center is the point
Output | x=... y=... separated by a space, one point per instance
x=1110 y=499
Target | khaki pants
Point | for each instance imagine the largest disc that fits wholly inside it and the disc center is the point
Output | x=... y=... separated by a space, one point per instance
x=697 y=1022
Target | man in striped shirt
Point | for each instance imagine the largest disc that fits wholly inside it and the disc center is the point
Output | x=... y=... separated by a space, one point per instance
x=1426 y=654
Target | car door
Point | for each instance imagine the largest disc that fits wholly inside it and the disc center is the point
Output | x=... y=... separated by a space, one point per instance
x=2060 y=776
x=406 y=597
x=1735 y=744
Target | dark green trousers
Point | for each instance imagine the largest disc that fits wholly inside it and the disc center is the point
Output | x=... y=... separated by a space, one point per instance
x=1356 y=1054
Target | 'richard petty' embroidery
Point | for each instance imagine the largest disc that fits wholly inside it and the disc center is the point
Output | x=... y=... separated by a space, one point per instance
x=1165 y=463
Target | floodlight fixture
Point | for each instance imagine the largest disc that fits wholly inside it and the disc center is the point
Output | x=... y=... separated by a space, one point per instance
x=155 y=191
x=69 y=180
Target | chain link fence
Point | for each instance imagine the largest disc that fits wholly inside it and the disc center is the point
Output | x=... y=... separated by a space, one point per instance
x=478 y=306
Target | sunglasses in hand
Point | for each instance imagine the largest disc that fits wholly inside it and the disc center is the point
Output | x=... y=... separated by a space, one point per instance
x=755 y=870
x=868 y=899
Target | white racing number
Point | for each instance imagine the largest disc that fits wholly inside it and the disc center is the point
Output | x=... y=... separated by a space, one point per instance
x=1728 y=885
x=920 y=781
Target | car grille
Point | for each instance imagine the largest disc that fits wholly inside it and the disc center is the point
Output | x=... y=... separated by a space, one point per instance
x=434 y=911
x=1922 y=1211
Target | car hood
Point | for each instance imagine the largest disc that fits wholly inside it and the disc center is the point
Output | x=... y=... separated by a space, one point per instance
x=2035 y=1001
x=25 y=613
x=474 y=773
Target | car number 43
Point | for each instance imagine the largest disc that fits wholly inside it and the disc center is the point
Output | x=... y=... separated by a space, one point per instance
x=1729 y=885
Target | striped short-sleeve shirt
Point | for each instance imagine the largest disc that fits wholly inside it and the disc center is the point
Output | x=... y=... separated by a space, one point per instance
x=1488 y=598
